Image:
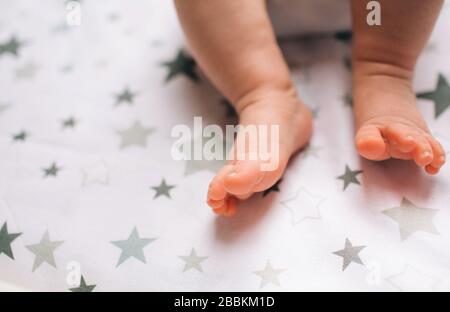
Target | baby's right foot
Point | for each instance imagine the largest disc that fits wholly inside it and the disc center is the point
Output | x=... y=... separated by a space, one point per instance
x=240 y=179
x=388 y=121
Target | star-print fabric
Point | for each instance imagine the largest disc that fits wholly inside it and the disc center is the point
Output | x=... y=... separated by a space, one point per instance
x=92 y=200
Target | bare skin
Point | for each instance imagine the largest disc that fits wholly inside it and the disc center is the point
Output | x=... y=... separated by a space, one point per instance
x=234 y=43
x=388 y=122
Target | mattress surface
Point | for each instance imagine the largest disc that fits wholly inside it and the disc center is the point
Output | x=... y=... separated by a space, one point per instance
x=88 y=186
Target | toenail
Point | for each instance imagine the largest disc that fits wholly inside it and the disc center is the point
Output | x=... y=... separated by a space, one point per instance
x=427 y=154
x=409 y=138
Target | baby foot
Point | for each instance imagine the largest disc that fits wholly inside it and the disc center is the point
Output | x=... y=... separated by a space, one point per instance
x=244 y=176
x=390 y=125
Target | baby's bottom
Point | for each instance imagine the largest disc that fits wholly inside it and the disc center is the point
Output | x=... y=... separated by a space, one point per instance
x=239 y=53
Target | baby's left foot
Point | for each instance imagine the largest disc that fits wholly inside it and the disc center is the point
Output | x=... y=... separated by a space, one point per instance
x=389 y=124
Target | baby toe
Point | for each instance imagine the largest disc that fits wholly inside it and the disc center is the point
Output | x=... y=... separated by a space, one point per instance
x=231 y=207
x=215 y=204
x=370 y=143
x=438 y=153
x=431 y=170
x=216 y=190
x=221 y=209
x=402 y=137
x=423 y=154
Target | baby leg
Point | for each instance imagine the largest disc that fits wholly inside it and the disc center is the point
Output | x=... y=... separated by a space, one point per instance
x=388 y=122
x=234 y=44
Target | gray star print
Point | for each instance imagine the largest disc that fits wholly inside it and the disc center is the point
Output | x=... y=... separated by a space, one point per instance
x=21 y=136
x=44 y=251
x=440 y=96
x=350 y=254
x=51 y=171
x=69 y=123
x=230 y=111
x=303 y=206
x=126 y=96
x=350 y=177
x=12 y=47
x=273 y=188
x=193 y=261
x=60 y=28
x=6 y=239
x=83 y=286
x=182 y=64
x=163 y=189
x=66 y=68
x=135 y=135
x=348 y=100
x=132 y=247
x=269 y=275
x=411 y=219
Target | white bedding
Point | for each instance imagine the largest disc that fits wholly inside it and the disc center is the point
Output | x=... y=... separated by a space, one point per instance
x=102 y=186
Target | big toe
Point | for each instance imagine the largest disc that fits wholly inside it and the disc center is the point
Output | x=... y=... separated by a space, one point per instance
x=216 y=190
x=402 y=137
x=370 y=143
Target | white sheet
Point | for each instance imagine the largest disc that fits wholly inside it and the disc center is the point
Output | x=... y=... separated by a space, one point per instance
x=283 y=241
